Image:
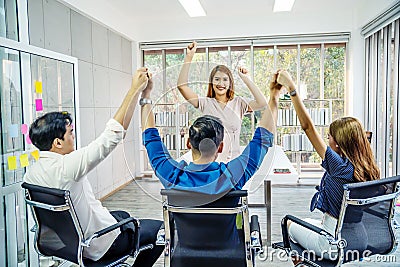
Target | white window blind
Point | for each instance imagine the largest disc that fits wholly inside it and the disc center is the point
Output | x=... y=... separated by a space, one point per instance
x=382 y=88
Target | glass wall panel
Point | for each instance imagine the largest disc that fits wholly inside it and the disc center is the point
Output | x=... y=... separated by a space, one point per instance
x=49 y=86
x=334 y=77
x=199 y=72
x=153 y=60
x=240 y=57
x=56 y=78
x=263 y=67
x=218 y=56
x=11 y=116
x=287 y=59
x=15 y=227
x=8 y=19
x=174 y=59
x=310 y=71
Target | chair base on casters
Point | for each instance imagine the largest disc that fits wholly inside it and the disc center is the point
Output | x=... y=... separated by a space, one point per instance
x=184 y=257
x=296 y=252
x=114 y=261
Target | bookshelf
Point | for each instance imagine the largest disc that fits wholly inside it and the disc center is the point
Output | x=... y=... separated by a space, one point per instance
x=172 y=121
x=290 y=135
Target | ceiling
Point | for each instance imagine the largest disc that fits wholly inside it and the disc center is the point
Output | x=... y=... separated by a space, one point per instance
x=151 y=20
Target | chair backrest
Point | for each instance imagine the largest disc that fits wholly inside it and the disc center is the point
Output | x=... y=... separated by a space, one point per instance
x=204 y=230
x=366 y=218
x=202 y=226
x=58 y=232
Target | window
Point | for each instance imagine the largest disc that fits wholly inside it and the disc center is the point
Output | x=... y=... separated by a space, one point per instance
x=319 y=69
x=8 y=20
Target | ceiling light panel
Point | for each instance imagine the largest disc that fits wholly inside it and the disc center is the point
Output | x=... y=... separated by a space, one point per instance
x=283 y=5
x=193 y=8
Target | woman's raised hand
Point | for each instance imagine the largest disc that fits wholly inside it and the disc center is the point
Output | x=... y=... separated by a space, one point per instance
x=191 y=49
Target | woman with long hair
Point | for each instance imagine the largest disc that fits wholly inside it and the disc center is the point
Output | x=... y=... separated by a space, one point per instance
x=348 y=158
x=221 y=101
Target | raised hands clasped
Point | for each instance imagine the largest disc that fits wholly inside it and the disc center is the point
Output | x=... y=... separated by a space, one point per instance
x=286 y=80
x=147 y=90
x=140 y=79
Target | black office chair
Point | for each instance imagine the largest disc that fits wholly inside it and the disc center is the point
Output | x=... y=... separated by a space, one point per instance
x=58 y=232
x=199 y=233
x=364 y=228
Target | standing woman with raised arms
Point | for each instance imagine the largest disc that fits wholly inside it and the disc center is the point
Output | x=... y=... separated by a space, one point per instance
x=221 y=101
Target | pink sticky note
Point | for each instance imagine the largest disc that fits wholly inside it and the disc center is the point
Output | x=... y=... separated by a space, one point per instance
x=24 y=129
x=28 y=139
x=39 y=104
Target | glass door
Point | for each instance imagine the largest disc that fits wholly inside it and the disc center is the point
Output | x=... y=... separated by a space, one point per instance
x=33 y=81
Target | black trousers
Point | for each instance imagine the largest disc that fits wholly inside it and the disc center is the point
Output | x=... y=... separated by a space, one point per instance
x=124 y=243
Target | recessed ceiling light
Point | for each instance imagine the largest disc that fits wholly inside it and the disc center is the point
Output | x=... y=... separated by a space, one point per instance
x=193 y=8
x=283 y=5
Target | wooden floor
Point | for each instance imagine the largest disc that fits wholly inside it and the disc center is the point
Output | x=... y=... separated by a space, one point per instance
x=141 y=199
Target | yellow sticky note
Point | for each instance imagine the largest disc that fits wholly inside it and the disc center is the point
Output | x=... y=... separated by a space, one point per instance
x=12 y=163
x=23 y=159
x=35 y=154
x=38 y=87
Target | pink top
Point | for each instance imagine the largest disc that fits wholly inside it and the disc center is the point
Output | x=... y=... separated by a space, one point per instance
x=231 y=116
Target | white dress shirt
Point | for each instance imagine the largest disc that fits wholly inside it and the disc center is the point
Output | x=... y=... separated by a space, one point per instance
x=68 y=172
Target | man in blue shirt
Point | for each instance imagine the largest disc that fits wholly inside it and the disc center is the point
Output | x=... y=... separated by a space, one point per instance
x=204 y=175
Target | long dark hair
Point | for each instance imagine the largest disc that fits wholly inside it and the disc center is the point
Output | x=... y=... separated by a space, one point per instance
x=352 y=140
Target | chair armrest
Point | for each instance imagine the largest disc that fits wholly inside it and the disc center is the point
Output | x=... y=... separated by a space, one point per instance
x=255 y=234
x=160 y=241
x=113 y=227
x=318 y=230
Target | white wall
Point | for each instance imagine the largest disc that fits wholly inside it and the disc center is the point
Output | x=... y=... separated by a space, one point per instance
x=105 y=71
x=156 y=20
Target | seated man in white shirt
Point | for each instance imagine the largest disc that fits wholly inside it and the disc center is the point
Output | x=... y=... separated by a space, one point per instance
x=61 y=166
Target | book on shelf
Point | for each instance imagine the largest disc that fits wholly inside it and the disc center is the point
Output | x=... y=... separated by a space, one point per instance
x=168 y=118
x=288 y=117
x=296 y=142
x=170 y=141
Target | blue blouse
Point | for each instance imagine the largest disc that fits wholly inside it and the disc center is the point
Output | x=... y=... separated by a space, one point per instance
x=338 y=171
